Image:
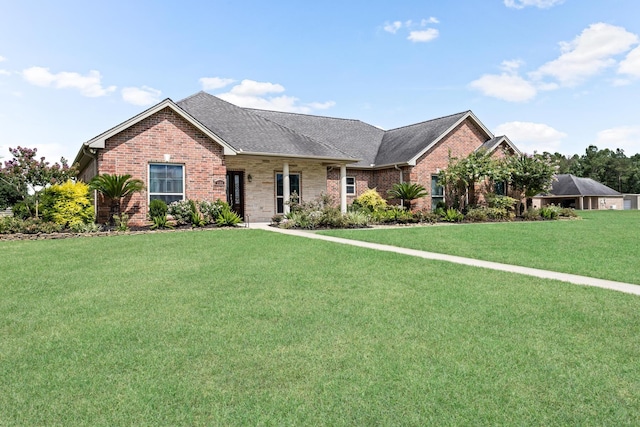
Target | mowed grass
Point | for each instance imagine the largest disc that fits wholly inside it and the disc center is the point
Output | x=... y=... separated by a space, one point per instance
x=603 y=244
x=248 y=327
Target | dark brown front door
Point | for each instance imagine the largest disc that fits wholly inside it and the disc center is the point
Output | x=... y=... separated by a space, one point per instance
x=235 y=191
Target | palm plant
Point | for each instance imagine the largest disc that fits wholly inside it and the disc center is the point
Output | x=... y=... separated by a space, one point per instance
x=407 y=192
x=115 y=188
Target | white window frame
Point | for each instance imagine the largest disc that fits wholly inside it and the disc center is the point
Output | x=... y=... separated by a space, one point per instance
x=437 y=197
x=150 y=194
x=351 y=186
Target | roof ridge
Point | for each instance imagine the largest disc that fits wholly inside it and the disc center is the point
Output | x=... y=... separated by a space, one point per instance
x=430 y=120
x=193 y=96
x=307 y=115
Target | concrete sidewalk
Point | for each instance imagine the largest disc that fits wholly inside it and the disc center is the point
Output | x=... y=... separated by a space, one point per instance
x=544 y=274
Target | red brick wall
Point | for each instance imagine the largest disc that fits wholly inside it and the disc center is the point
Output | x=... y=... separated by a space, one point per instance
x=463 y=140
x=364 y=181
x=165 y=132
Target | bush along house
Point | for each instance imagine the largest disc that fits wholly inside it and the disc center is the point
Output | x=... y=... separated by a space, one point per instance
x=204 y=148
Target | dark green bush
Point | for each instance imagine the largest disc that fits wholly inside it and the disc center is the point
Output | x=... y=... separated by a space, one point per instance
x=550 y=212
x=453 y=215
x=157 y=208
x=531 y=214
x=476 y=215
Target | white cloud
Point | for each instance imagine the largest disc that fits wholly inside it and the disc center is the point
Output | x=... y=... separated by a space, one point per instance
x=631 y=64
x=5 y=72
x=530 y=137
x=431 y=20
x=423 y=35
x=212 y=83
x=254 y=94
x=508 y=86
x=89 y=85
x=144 y=95
x=392 y=27
x=254 y=88
x=623 y=137
x=542 y=4
x=2 y=58
x=588 y=54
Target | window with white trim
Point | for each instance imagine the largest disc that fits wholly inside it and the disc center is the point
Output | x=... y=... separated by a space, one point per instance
x=294 y=185
x=166 y=182
x=351 y=186
x=437 y=192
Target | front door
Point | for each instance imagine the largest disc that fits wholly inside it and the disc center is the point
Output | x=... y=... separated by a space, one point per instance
x=235 y=191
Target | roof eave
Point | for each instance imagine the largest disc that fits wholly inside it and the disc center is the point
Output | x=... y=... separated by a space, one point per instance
x=299 y=156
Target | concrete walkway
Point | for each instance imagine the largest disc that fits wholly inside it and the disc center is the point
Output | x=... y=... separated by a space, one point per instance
x=544 y=274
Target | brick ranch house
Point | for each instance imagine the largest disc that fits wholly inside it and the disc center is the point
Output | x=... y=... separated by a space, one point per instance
x=204 y=148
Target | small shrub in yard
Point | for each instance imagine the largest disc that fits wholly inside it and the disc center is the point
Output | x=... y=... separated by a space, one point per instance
x=531 y=214
x=550 y=212
x=427 y=216
x=11 y=225
x=211 y=210
x=157 y=208
x=356 y=219
x=180 y=211
x=476 y=215
x=86 y=228
x=370 y=200
x=453 y=215
x=277 y=219
x=228 y=218
x=568 y=213
x=121 y=222
x=500 y=214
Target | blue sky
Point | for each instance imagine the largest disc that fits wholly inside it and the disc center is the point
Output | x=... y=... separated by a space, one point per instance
x=553 y=75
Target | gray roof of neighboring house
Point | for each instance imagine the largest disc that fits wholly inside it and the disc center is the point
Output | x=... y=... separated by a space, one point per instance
x=570 y=185
x=249 y=132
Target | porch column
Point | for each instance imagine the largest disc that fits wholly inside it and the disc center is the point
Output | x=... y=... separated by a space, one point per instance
x=343 y=188
x=285 y=187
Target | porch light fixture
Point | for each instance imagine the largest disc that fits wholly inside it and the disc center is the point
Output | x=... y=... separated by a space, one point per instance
x=249 y=178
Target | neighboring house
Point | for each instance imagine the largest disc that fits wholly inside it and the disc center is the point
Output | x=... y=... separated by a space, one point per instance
x=570 y=191
x=204 y=148
x=631 y=201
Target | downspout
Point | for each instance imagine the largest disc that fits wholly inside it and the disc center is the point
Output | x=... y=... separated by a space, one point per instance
x=401 y=181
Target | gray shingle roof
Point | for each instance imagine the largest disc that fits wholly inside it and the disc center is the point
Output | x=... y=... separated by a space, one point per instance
x=402 y=144
x=249 y=132
x=570 y=185
x=274 y=132
x=353 y=137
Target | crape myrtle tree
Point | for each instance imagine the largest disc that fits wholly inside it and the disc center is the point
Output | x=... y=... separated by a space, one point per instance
x=462 y=177
x=530 y=175
x=26 y=175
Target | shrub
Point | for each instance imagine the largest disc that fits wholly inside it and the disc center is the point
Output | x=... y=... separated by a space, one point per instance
x=211 y=210
x=550 y=212
x=90 y=227
x=157 y=208
x=476 y=215
x=500 y=214
x=370 y=200
x=356 y=219
x=180 y=211
x=67 y=204
x=277 y=219
x=24 y=209
x=121 y=222
x=427 y=216
x=453 y=215
x=227 y=218
x=531 y=214
x=500 y=202
x=195 y=216
x=568 y=213
x=11 y=225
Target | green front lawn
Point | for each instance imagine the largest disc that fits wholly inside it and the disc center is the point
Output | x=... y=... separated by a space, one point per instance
x=248 y=327
x=604 y=244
